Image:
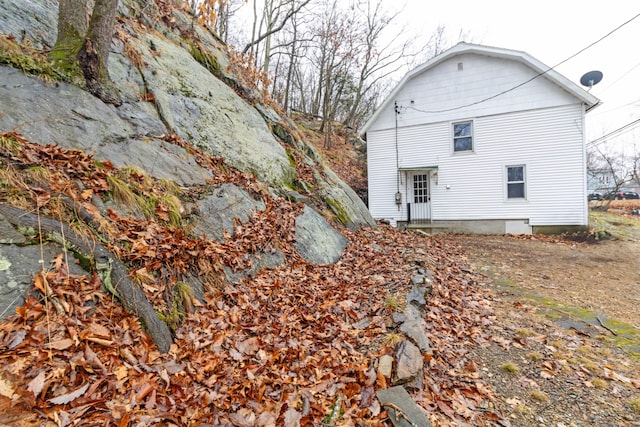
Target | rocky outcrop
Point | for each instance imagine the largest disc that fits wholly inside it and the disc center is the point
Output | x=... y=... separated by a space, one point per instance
x=406 y=366
x=174 y=86
x=168 y=84
x=217 y=211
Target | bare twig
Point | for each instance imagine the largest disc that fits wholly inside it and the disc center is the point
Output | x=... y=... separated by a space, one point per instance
x=605 y=326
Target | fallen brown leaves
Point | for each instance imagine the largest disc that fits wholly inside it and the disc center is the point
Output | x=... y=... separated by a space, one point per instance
x=288 y=347
x=280 y=349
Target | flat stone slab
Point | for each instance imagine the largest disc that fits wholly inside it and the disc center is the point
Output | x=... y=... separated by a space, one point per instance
x=403 y=410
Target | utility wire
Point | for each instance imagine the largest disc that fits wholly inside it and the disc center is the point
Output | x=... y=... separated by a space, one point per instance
x=599 y=113
x=532 y=78
x=623 y=129
x=619 y=78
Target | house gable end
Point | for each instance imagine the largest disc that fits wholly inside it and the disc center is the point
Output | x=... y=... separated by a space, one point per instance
x=532 y=76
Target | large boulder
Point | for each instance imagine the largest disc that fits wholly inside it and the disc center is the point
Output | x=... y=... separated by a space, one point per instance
x=343 y=201
x=63 y=114
x=174 y=87
x=166 y=89
x=35 y=20
x=18 y=263
x=218 y=211
x=316 y=241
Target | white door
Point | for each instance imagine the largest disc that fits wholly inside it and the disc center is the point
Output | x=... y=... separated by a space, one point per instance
x=420 y=202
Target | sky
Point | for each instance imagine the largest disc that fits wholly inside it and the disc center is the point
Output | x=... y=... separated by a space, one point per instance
x=552 y=31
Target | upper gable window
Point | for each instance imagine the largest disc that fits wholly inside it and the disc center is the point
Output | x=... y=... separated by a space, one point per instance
x=462 y=136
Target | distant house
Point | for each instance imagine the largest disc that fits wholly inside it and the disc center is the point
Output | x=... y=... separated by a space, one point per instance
x=601 y=181
x=480 y=139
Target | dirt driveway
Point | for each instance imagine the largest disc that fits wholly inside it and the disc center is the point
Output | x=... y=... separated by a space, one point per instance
x=603 y=278
x=565 y=348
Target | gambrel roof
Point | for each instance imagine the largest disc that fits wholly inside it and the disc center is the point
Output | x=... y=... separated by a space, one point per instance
x=524 y=58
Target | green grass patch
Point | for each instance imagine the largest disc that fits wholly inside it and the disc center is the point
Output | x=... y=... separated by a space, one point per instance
x=511 y=368
x=616 y=226
x=627 y=338
x=539 y=396
x=634 y=405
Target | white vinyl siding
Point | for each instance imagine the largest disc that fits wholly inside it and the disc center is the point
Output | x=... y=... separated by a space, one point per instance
x=548 y=141
x=383 y=180
x=436 y=95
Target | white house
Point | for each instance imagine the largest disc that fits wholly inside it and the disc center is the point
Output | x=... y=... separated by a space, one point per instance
x=480 y=139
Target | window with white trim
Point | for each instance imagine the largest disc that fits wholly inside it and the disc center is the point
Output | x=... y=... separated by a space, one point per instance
x=515 y=182
x=462 y=137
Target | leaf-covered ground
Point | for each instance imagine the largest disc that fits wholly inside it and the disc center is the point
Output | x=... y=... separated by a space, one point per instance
x=280 y=349
x=294 y=345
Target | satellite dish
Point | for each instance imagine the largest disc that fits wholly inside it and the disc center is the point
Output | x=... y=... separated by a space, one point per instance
x=591 y=79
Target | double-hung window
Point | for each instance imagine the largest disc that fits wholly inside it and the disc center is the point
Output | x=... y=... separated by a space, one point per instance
x=515 y=182
x=462 y=137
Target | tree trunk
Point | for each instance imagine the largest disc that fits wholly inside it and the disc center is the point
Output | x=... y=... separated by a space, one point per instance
x=83 y=46
x=292 y=64
x=72 y=27
x=94 y=54
x=222 y=21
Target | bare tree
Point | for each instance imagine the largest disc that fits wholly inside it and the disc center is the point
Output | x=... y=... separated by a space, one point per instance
x=337 y=52
x=333 y=59
x=611 y=169
x=376 y=61
x=224 y=12
x=275 y=15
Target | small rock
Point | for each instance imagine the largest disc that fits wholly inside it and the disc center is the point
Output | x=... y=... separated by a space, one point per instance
x=416 y=295
x=397 y=399
x=294 y=196
x=385 y=365
x=398 y=317
x=362 y=324
x=415 y=328
x=428 y=287
x=417 y=279
x=409 y=362
x=415 y=384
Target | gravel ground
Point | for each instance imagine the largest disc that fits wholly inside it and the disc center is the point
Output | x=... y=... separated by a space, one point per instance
x=566 y=341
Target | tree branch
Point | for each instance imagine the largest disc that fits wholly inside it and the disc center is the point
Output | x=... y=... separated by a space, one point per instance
x=276 y=29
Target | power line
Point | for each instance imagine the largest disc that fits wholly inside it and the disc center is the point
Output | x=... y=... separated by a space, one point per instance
x=621 y=130
x=532 y=78
x=619 y=78
x=610 y=110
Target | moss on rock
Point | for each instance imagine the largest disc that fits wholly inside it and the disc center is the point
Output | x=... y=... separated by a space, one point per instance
x=29 y=61
x=207 y=60
x=339 y=210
